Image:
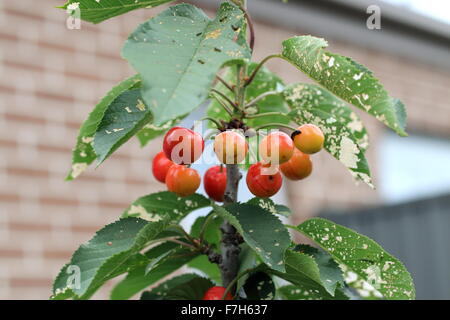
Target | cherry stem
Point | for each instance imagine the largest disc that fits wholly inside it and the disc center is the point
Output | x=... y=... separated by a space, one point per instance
x=174 y=240
x=226 y=84
x=259 y=66
x=187 y=235
x=187 y=245
x=261 y=96
x=217 y=123
x=225 y=97
x=267 y=114
x=275 y=124
x=223 y=105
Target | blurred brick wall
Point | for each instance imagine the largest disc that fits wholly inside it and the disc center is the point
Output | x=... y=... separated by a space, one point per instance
x=51 y=77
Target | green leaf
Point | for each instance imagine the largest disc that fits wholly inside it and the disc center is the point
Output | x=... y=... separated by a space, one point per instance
x=212 y=233
x=161 y=291
x=123 y=118
x=83 y=153
x=361 y=256
x=155 y=206
x=96 y=11
x=345 y=136
x=259 y=286
x=178 y=54
x=111 y=251
x=345 y=78
x=211 y=270
x=264 y=81
x=156 y=261
x=247 y=260
x=261 y=230
x=185 y=287
x=151 y=131
x=137 y=279
x=212 y=236
x=329 y=271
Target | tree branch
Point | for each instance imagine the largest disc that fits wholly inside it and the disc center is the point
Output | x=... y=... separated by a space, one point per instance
x=230 y=249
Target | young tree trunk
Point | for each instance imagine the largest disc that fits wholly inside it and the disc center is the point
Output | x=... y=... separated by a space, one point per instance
x=230 y=239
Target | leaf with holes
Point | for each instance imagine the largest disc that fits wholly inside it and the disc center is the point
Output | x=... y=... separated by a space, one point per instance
x=303 y=271
x=123 y=118
x=293 y=292
x=264 y=81
x=361 y=256
x=329 y=271
x=83 y=154
x=155 y=206
x=96 y=11
x=108 y=254
x=178 y=54
x=138 y=279
x=261 y=230
x=345 y=136
x=259 y=286
x=345 y=78
x=268 y=204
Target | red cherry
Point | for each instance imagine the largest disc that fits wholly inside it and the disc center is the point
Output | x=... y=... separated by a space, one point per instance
x=216 y=293
x=215 y=182
x=276 y=148
x=160 y=165
x=182 y=145
x=263 y=181
x=298 y=167
x=182 y=180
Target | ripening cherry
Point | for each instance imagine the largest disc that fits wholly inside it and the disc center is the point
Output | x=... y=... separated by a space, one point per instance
x=298 y=167
x=216 y=293
x=230 y=147
x=276 y=148
x=262 y=181
x=215 y=182
x=182 y=180
x=308 y=138
x=160 y=165
x=182 y=145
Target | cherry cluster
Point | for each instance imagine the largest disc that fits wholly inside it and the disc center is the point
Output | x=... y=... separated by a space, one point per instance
x=278 y=152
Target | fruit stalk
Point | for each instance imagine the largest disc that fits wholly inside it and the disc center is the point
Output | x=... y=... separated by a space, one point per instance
x=230 y=238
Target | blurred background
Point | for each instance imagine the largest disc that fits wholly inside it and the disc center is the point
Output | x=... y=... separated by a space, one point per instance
x=51 y=77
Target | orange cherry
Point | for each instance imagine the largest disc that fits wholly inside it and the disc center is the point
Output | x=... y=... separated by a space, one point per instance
x=182 y=180
x=230 y=147
x=298 y=167
x=308 y=138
